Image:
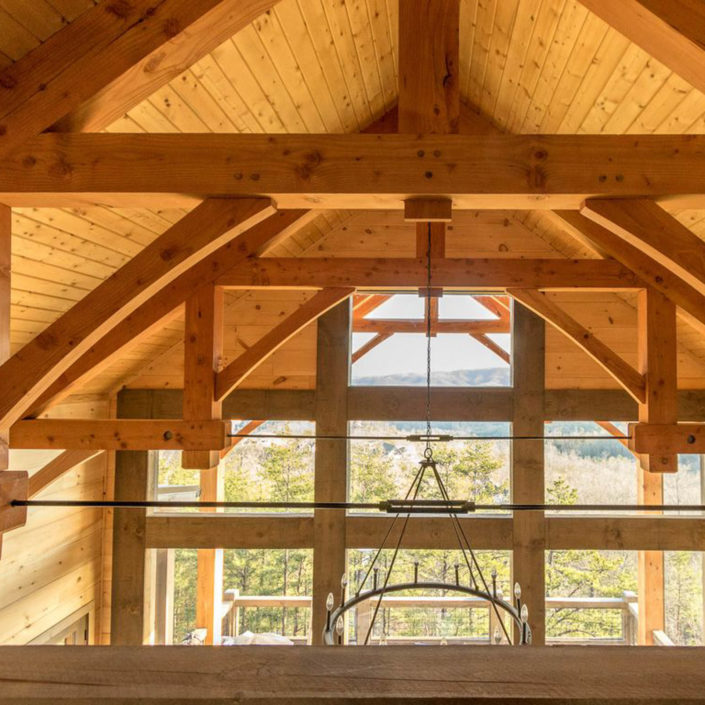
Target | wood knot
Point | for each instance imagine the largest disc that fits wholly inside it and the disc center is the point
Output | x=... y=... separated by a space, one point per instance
x=171 y=27
x=154 y=62
x=8 y=82
x=119 y=8
x=61 y=168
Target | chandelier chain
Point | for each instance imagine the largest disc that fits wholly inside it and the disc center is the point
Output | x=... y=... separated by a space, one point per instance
x=428 y=452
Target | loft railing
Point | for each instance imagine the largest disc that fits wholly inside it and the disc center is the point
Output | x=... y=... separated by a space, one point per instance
x=233 y=603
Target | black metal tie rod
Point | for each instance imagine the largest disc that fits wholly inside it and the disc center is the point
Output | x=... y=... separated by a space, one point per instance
x=419 y=437
x=389 y=506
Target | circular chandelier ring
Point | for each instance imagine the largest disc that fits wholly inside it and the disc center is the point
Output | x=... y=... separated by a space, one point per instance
x=329 y=632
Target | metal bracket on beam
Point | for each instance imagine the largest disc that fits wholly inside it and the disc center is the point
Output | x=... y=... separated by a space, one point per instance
x=428 y=210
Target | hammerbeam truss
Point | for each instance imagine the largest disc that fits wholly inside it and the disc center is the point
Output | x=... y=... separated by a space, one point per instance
x=325 y=171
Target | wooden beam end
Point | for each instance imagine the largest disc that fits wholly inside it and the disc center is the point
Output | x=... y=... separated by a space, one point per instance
x=200 y=459
x=13 y=485
x=658 y=445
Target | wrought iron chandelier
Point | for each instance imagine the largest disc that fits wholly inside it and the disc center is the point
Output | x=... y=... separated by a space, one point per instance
x=511 y=615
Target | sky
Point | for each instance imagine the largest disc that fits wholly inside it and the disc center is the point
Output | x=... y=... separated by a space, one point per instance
x=407 y=352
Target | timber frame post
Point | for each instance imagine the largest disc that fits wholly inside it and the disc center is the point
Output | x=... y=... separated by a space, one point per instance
x=527 y=464
x=203 y=350
x=331 y=462
x=129 y=625
x=658 y=362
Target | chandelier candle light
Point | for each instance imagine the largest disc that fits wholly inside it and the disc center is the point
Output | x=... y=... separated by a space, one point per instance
x=474 y=585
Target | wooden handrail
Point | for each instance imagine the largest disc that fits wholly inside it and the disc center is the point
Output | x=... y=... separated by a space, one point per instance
x=599 y=603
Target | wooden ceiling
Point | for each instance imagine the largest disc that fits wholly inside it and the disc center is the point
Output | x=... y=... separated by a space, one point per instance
x=527 y=66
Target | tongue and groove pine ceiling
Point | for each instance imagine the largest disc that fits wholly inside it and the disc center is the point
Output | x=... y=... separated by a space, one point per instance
x=527 y=66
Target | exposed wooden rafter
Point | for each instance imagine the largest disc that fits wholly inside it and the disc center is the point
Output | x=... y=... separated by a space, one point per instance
x=58 y=466
x=370 y=345
x=126 y=50
x=28 y=373
x=649 y=228
x=672 y=31
x=653 y=273
x=368 y=304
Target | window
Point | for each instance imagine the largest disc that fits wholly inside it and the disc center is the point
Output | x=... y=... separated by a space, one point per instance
x=604 y=471
x=387 y=352
x=471 y=470
x=588 y=593
x=588 y=472
x=254 y=583
x=684 y=597
x=256 y=469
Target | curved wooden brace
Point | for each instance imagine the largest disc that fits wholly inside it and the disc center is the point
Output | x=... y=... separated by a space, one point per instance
x=253 y=357
x=159 y=307
x=623 y=372
x=30 y=371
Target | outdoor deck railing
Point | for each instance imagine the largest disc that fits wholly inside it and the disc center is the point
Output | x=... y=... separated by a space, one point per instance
x=233 y=603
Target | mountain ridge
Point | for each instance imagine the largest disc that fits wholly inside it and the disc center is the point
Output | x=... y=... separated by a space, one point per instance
x=487 y=377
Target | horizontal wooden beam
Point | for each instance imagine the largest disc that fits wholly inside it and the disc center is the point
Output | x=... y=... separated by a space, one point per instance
x=562 y=533
x=630 y=533
x=229 y=531
x=404 y=404
x=666 y=439
x=276 y=404
x=462 y=675
x=361 y=170
x=391 y=325
x=119 y=434
x=430 y=532
x=408 y=273
x=447 y=404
